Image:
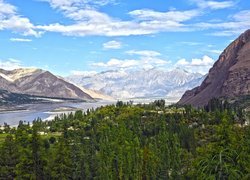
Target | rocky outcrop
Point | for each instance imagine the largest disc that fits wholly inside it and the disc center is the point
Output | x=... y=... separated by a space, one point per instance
x=38 y=82
x=229 y=76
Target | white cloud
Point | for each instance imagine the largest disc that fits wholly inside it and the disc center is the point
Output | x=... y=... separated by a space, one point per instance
x=6 y=9
x=205 y=61
x=189 y=43
x=89 y=21
x=238 y=23
x=174 y=16
x=20 y=40
x=196 y=65
x=11 y=20
x=111 y=28
x=182 y=62
x=146 y=59
x=112 y=45
x=64 y=4
x=83 y=73
x=154 y=61
x=242 y=16
x=215 y=51
x=116 y=63
x=10 y=64
x=146 y=53
x=214 y=4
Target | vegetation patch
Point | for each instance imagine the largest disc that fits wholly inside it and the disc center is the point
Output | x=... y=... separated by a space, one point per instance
x=126 y=141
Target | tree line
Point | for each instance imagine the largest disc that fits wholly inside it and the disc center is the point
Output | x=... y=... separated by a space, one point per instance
x=126 y=141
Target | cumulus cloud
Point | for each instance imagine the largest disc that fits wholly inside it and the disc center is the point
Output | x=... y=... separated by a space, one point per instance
x=87 y=20
x=116 y=63
x=90 y=21
x=153 y=62
x=83 y=73
x=11 y=20
x=196 y=65
x=112 y=45
x=6 y=9
x=147 y=59
x=10 y=64
x=20 y=40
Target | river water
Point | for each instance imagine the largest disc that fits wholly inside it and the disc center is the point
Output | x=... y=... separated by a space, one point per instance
x=44 y=111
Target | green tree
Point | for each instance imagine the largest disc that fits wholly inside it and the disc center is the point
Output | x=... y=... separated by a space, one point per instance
x=61 y=164
x=218 y=159
x=8 y=158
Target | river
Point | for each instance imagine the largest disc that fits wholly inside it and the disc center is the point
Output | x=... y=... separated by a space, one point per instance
x=45 y=111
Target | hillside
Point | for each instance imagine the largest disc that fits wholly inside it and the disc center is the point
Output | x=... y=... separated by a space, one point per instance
x=38 y=82
x=8 y=98
x=11 y=101
x=229 y=76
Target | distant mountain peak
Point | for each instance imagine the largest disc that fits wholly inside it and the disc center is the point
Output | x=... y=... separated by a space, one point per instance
x=39 y=82
x=144 y=83
x=13 y=75
x=179 y=69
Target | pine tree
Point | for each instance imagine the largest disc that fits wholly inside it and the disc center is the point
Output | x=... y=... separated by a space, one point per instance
x=9 y=158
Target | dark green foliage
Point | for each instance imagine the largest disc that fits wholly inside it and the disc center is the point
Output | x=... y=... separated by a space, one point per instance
x=9 y=158
x=126 y=141
x=9 y=99
x=52 y=140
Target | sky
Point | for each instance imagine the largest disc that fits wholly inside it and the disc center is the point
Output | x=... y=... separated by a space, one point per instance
x=70 y=37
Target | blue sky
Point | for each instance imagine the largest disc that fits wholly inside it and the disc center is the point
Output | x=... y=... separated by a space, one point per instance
x=80 y=36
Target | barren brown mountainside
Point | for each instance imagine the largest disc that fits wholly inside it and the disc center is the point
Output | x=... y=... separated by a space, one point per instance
x=39 y=83
x=229 y=77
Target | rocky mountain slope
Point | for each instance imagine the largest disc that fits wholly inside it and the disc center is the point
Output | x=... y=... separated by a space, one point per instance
x=38 y=82
x=8 y=98
x=229 y=77
x=97 y=95
x=124 y=84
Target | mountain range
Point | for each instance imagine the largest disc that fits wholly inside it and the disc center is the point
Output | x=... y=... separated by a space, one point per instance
x=228 y=78
x=125 y=84
x=27 y=85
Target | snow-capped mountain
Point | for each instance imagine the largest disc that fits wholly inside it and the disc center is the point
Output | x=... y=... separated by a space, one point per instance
x=124 y=84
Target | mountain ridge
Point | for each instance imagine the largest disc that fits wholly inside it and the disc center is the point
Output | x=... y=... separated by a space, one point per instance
x=229 y=76
x=126 y=84
x=38 y=82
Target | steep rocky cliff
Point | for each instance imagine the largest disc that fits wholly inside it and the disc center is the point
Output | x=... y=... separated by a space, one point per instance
x=229 y=76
